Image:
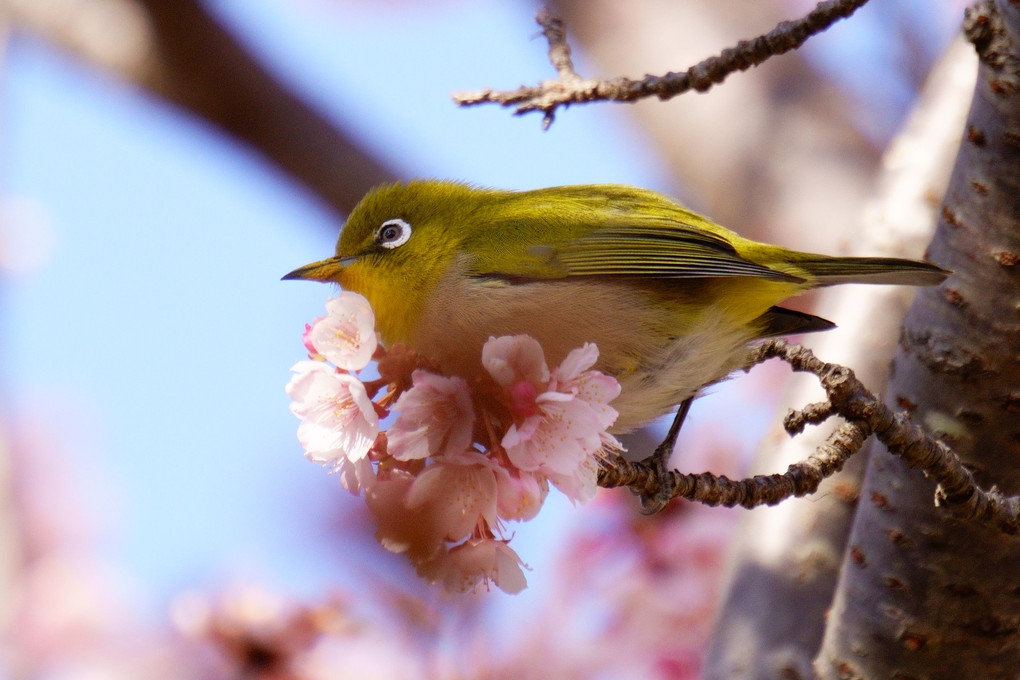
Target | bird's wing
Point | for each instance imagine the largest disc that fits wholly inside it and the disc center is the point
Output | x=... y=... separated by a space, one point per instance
x=657 y=248
x=630 y=245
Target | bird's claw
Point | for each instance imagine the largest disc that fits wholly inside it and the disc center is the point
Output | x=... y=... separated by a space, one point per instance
x=654 y=501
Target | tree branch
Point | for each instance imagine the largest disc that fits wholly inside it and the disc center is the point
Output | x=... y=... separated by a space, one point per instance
x=178 y=51
x=571 y=88
x=920 y=593
x=865 y=415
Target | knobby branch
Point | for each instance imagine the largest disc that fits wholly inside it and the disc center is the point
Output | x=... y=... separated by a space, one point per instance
x=571 y=88
x=865 y=415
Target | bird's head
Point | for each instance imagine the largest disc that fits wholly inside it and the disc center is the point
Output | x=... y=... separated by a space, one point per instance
x=397 y=244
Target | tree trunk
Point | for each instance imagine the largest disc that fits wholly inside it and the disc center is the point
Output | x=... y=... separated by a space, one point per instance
x=922 y=595
x=786 y=559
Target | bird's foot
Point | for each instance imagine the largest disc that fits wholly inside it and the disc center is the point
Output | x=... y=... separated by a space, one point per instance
x=654 y=501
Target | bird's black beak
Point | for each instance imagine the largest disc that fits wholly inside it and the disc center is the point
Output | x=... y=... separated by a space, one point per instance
x=326 y=271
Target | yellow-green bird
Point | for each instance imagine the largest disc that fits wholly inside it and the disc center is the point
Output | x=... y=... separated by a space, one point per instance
x=670 y=298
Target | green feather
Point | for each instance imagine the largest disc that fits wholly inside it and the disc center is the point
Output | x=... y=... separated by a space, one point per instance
x=663 y=248
x=604 y=230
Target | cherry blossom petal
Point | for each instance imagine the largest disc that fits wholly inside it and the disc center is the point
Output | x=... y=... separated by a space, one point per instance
x=398 y=530
x=592 y=387
x=355 y=475
x=519 y=495
x=597 y=390
x=346 y=335
x=306 y=340
x=579 y=486
x=556 y=440
x=436 y=416
x=576 y=362
x=338 y=420
x=457 y=493
x=513 y=358
x=481 y=561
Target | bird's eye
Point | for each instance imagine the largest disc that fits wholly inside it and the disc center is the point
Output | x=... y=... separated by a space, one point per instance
x=393 y=233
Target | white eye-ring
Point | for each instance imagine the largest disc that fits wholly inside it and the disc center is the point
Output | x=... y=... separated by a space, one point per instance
x=393 y=233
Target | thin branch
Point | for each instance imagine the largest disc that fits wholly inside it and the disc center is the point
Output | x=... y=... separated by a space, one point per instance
x=865 y=415
x=571 y=88
x=559 y=50
x=800 y=479
x=812 y=414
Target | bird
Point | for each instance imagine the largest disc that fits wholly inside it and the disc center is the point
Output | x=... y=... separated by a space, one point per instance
x=672 y=300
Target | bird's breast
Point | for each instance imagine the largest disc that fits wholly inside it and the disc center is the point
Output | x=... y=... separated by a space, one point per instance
x=660 y=350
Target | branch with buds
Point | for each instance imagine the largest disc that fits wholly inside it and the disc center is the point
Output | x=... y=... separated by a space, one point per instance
x=865 y=415
x=571 y=88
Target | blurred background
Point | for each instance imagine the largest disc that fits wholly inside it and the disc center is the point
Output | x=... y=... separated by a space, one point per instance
x=165 y=162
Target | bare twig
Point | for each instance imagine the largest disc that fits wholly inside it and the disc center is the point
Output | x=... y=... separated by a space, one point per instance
x=812 y=414
x=571 y=88
x=559 y=51
x=865 y=415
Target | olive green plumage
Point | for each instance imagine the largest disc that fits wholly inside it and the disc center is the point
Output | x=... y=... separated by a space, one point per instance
x=670 y=297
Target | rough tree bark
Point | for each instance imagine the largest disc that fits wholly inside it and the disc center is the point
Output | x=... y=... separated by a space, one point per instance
x=922 y=595
x=786 y=558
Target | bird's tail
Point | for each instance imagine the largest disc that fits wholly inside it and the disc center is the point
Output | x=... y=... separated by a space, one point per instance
x=830 y=271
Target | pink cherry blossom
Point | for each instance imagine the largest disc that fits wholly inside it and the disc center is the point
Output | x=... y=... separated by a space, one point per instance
x=415 y=535
x=511 y=359
x=519 y=495
x=338 y=420
x=555 y=440
x=436 y=416
x=438 y=496
x=346 y=335
x=355 y=475
x=306 y=340
x=560 y=417
x=592 y=387
x=579 y=486
x=479 y=561
x=458 y=493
